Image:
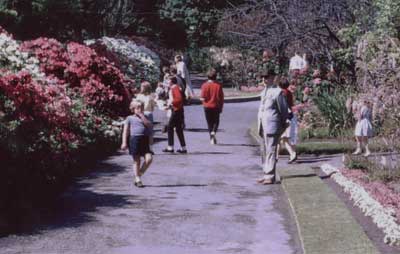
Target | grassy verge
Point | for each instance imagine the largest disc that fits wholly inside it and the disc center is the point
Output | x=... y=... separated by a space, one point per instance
x=325 y=145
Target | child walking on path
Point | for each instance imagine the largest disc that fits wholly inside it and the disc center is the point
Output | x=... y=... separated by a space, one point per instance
x=363 y=128
x=212 y=96
x=135 y=136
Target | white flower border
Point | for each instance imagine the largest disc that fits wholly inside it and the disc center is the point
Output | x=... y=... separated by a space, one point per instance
x=383 y=217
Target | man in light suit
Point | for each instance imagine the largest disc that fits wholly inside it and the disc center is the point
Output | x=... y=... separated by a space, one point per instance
x=273 y=119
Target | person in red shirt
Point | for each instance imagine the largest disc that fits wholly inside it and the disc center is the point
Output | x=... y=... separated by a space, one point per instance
x=212 y=97
x=176 y=120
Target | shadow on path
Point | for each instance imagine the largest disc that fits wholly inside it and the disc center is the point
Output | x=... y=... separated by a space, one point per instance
x=200 y=130
x=246 y=145
x=306 y=161
x=175 y=185
x=74 y=207
x=193 y=153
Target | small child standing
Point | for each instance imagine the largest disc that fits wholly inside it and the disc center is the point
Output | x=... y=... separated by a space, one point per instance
x=363 y=128
x=136 y=131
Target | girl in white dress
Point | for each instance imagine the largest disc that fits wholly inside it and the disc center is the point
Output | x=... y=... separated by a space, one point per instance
x=363 y=129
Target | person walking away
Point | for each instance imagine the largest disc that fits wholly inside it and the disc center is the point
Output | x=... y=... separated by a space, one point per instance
x=285 y=138
x=274 y=113
x=135 y=136
x=175 y=102
x=212 y=96
x=363 y=128
x=149 y=102
x=184 y=73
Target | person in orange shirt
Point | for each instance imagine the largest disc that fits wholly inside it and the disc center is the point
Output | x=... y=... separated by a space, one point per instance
x=212 y=96
x=176 y=120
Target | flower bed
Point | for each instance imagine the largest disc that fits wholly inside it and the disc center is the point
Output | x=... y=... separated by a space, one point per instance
x=374 y=198
x=57 y=103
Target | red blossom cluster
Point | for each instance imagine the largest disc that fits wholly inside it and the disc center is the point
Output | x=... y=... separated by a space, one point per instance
x=101 y=83
x=36 y=102
x=51 y=54
x=92 y=77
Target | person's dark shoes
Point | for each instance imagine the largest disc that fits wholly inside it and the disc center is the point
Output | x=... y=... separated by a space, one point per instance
x=164 y=129
x=213 y=140
x=166 y=150
x=182 y=151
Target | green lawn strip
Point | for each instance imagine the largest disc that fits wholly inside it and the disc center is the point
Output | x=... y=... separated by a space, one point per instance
x=324 y=223
x=325 y=146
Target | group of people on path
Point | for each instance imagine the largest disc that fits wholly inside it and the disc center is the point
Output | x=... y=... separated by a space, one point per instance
x=277 y=116
x=172 y=94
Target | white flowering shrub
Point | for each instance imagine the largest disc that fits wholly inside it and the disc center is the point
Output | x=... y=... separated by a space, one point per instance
x=138 y=62
x=12 y=59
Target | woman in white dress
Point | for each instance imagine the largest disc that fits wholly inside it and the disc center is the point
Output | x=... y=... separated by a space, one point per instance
x=363 y=129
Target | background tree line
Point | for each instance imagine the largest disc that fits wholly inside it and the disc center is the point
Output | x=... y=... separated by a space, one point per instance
x=192 y=21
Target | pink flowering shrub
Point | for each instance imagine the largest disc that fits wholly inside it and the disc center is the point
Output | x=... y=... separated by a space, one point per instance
x=93 y=77
x=51 y=54
x=51 y=123
x=100 y=83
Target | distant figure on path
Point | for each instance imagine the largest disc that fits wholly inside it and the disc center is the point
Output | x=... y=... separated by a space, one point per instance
x=363 y=128
x=212 y=96
x=176 y=120
x=274 y=114
x=184 y=73
x=136 y=136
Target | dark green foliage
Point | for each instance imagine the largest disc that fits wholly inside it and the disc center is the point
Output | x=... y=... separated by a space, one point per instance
x=332 y=106
x=178 y=23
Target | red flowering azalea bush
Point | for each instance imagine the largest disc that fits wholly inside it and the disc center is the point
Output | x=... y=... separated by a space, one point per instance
x=51 y=54
x=52 y=122
x=91 y=76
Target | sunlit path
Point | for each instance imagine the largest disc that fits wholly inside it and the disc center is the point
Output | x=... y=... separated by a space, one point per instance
x=203 y=202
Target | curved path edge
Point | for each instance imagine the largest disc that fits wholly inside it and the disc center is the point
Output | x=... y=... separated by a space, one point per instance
x=324 y=223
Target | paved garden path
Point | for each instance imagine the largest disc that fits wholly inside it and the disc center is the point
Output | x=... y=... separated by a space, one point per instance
x=203 y=202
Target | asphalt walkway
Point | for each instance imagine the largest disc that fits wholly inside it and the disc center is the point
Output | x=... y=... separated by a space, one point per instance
x=204 y=202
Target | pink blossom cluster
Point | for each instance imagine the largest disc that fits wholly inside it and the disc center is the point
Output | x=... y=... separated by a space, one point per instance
x=39 y=105
x=71 y=106
x=51 y=54
x=92 y=77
